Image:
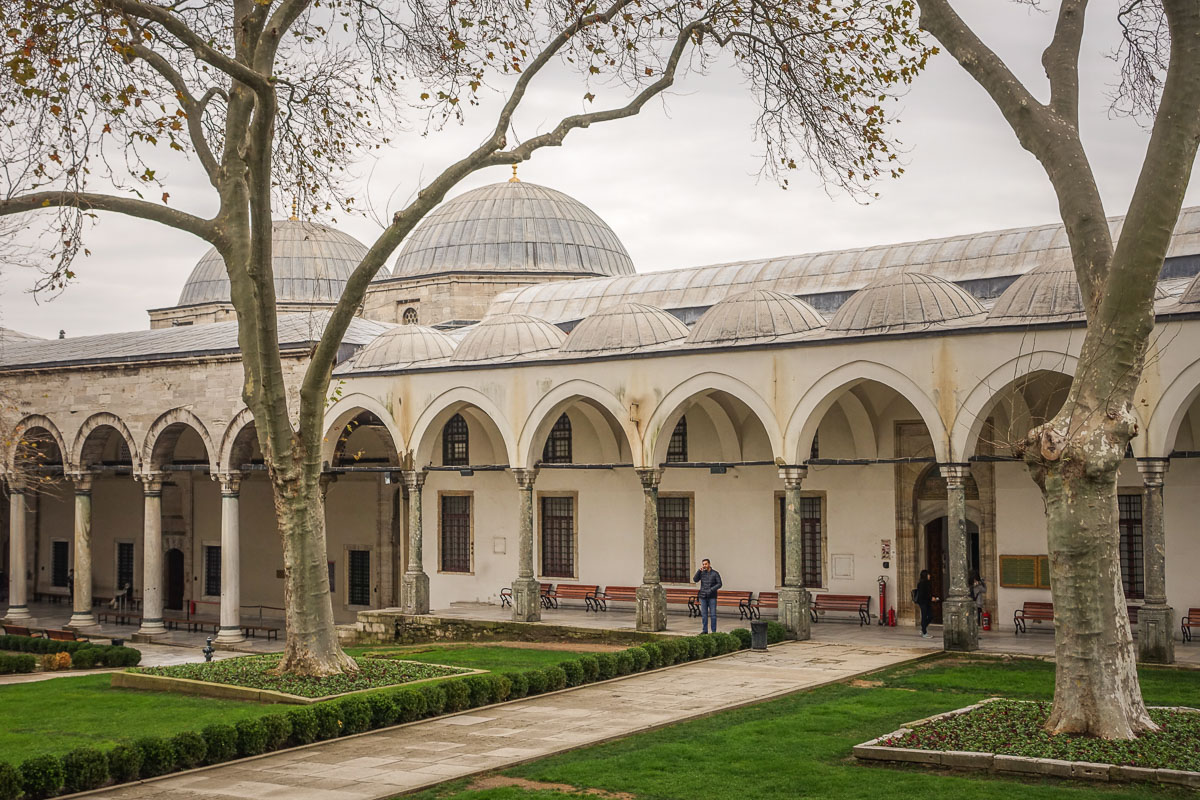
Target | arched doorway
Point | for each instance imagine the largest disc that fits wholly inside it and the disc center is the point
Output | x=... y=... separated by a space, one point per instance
x=937 y=558
x=173 y=566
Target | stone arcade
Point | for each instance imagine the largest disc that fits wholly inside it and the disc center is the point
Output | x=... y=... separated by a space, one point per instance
x=516 y=404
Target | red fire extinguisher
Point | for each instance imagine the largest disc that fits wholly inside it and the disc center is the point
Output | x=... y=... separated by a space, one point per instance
x=891 y=617
x=882 y=596
x=987 y=621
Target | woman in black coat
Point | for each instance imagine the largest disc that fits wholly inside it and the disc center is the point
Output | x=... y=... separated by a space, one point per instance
x=925 y=602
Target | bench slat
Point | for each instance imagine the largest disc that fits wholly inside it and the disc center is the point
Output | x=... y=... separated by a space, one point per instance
x=860 y=603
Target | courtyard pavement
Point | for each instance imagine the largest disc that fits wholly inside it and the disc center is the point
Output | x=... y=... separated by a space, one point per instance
x=422 y=754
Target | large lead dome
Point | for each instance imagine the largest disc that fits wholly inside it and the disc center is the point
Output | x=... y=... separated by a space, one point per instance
x=513 y=227
x=311 y=263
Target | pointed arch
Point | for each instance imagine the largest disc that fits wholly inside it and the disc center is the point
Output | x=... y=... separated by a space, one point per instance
x=806 y=417
x=231 y=448
x=347 y=408
x=438 y=410
x=1169 y=413
x=676 y=402
x=165 y=432
x=33 y=422
x=600 y=407
x=80 y=452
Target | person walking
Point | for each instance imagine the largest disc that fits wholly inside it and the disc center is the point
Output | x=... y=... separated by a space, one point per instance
x=925 y=600
x=978 y=594
x=710 y=581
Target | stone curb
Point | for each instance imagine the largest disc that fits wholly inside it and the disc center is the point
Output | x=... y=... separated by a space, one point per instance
x=1018 y=765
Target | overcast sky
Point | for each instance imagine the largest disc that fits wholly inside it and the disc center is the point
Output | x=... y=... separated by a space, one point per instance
x=679 y=182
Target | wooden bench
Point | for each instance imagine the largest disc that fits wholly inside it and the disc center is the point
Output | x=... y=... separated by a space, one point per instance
x=1189 y=621
x=727 y=599
x=617 y=594
x=120 y=616
x=21 y=630
x=52 y=597
x=1038 y=612
x=63 y=636
x=545 y=593
x=685 y=596
x=268 y=631
x=859 y=603
x=589 y=594
x=752 y=609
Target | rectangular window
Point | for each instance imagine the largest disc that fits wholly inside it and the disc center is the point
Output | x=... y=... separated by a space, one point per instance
x=455 y=550
x=212 y=570
x=1130 y=509
x=677 y=448
x=358 y=591
x=811 y=556
x=124 y=565
x=674 y=539
x=558 y=537
x=60 y=554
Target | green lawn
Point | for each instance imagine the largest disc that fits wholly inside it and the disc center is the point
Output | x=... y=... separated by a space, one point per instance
x=799 y=746
x=60 y=714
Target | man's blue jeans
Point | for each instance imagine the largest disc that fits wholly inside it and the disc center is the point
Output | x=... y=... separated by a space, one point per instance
x=708 y=611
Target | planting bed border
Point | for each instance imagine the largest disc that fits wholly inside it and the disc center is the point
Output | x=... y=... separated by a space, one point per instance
x=1015 y=765
x=229 y=691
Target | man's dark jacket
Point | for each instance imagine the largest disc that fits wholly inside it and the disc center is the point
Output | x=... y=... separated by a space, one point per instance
x=709 y=582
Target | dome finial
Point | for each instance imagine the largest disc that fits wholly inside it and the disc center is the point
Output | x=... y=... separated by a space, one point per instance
x=514 y=178
x=293 y=217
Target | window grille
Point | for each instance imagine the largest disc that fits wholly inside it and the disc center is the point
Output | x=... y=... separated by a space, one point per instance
x=810 y=540
x=456 y=441
x=558 y=537
x=124 y=564
x=558 y=443
x=59 y=563
x=455 y=548
x=674 y=539
x=358 y=590
x=1129 y=507
x=410 y=316
x=212 y=570
x=677 y=448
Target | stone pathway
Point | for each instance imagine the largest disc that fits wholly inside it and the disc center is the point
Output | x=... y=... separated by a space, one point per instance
x=385 y=763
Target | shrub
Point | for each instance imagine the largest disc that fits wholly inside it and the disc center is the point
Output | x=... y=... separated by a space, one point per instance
x=409 y=705
x=458 y=695
x=355 y=714
x=654 y=653
x=519 y=685
x=10 y=781
x=641 y=659
x=608 y=665
x=18 y=662
x=52 y=662
x=124 y=763
x=776 y=633
x=556 y=679
x=535 y=680
x=119 y=656
x=190 y=749
x=383 y=709
x=590 y=667
x=85 y=657
x=329 y=721
x=304 y=725
x=158 y=757
x=278 y=729
x=42 y=776
x=624 y=662
x=220 y=743
x=743 y=637
x=726 y=643
x=251 y=737
x=694 y=648
x=501 y=687
x=671 y=650
x=84 y=768
x=435 y=699
x=574 y=672
x=708 y=646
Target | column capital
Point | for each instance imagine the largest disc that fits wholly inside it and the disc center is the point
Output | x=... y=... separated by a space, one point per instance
x=1153 y=470
x=414 y=479
x=955 y=474
x=792 y=477
x=650 y=478
x=231 y=483
x=82 y=481
x=152 y=482
x=525 y=477
x=16 y=483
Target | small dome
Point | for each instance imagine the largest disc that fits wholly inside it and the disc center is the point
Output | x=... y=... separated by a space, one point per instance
x=755 y=315
x=404 y=345
x=628 y=326
x=907 y=301
x=513 y=227
x=508 y=336
x=311 y=263
x=1192 y=293
x=1047 y=292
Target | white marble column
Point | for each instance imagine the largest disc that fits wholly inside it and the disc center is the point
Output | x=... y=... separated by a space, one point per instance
x=83 y=616
x=18 y=609
x=152 y=557
x=794 y=600
x=230 y=630
x=526 y=591
x=414 y=583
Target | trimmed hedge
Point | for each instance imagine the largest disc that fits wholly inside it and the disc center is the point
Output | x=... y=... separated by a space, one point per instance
x=355 y=714
x=158 y=756
x=776 y=633
x=304 y=725
x=17 y=662
x=279 y=730
x=743 y=637
x=41 y=776
x=220 y=743
x=10 y=781
x=190 y=749
x=84 y=655
x=84 y=768
x=124 y=763
x=251 y=737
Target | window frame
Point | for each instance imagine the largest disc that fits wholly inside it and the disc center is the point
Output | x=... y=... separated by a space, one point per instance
x=690 y=497
x=350 y=551
x=677 y=445
x=205 y=577
x=133 y=565
x=561 y=431
x=448 y=443
x=1135 y=587
x=780 y=499
x=416 y=316
x=66 y=572
x=441 y=531
x=541 y=542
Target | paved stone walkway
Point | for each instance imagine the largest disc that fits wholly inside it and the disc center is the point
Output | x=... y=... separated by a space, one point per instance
x=385 y=763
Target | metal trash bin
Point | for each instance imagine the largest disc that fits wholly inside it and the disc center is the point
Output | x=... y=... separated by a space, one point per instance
x=758 y=635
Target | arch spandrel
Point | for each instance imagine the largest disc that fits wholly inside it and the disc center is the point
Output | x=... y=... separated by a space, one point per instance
x=675 y=403
x=550 y=406
x=1169 y=412
x=79 y=452
x=438 y=411
x=165 y=432
x=347 y=408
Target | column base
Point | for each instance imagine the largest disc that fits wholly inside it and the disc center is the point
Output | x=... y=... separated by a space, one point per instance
x=151 y=628
x=794 y=612
x=81 y=620
x=960 y=628
x=527 y=600
x=414 y=593
x=229 y=634
x=651 y=607
x=17 y=614
x=1156 y=635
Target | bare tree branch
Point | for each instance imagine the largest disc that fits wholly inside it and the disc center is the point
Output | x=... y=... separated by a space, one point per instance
x=129 y=206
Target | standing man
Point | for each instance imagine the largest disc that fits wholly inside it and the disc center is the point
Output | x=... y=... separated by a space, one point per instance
x=710 y=581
